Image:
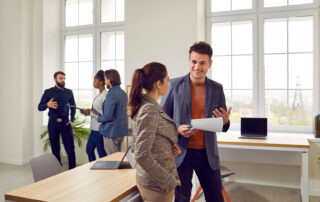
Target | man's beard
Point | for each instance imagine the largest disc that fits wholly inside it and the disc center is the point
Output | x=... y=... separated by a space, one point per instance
x=61 y=85
x=108 y=86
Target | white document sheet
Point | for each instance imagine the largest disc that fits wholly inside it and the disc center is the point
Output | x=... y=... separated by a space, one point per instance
x=208 y=124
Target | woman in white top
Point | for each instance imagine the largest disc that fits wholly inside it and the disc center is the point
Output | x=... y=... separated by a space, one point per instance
x=96 y=139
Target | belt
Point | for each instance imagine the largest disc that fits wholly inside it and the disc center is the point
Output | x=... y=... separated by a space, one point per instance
x=59 y=120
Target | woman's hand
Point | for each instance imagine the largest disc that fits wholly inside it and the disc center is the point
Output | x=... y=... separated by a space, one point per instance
x=176 y=150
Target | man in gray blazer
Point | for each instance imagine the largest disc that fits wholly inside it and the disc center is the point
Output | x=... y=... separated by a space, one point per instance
x=196 y=96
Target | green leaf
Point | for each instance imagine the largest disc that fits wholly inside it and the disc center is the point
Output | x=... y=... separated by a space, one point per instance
x=79 y=132
x=46 y=145
x=43 y=134
x=78 y=140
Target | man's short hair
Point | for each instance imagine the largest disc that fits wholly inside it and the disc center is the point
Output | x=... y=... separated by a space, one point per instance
x=113 y=76
x=57 y=73
x=201 y=47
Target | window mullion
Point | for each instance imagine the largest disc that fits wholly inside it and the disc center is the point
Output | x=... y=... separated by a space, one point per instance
x=260 y=67
x=231 y=63
x=288 y=71
x=255 y=66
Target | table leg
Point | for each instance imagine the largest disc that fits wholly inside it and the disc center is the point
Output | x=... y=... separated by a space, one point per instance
x=304 y=177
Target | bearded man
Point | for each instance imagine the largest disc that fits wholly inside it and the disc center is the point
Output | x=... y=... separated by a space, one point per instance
x=59 y=99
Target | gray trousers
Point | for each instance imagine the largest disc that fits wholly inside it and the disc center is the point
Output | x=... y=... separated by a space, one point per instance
x=112 y=144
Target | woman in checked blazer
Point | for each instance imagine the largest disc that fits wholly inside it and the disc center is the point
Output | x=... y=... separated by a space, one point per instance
x=154 y=135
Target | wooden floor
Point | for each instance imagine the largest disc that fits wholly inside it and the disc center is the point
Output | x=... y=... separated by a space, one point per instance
x=13 y=177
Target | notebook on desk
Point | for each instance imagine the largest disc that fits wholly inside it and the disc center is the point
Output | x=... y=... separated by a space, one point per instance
x=112 y=165
x=254 y=128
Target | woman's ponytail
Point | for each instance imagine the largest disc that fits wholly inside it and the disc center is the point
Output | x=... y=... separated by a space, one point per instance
x=136 y=97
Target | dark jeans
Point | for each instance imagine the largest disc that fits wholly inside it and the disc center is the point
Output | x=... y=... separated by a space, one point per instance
x=210 y=180
x=55 y=129
x=95 y=140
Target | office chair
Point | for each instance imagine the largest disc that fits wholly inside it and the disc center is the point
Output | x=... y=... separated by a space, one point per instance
x=225 y=172
x=136 y=198
x=45 y=166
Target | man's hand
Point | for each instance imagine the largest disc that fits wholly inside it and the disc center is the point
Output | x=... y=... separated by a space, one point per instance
x=69 y=123
x=85 y=111
x=52 y=104
x=185 y=131
x=222 y=113
x=176 y=150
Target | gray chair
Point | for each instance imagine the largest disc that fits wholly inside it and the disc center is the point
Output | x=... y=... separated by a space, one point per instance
x=225 y=172
x=45 y=166
x=136 y=198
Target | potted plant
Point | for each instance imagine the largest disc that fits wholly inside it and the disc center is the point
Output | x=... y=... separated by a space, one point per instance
x=79 y=133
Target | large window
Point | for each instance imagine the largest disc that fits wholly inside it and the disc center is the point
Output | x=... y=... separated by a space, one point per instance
x=93 y=39
x=288 y=63
x=233 y=64
x=112 y=52
x=78 y=12
x=265 y=54
x=78 y=67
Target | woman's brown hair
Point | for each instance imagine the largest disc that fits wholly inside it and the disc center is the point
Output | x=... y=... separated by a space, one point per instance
x=144 y=78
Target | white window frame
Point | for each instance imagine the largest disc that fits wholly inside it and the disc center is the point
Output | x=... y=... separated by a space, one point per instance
x=257 y=15
x=96 y=28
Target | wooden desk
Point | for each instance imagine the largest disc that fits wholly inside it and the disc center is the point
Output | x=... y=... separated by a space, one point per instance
x=274 y=142
x=80 y=184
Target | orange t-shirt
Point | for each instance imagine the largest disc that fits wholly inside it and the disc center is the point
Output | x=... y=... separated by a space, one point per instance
x=198 y=98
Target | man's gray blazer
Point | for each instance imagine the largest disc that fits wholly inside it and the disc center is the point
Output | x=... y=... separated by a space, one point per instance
x=177 y=104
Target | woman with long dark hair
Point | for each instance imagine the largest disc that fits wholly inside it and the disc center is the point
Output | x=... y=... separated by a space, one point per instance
x=154 y=134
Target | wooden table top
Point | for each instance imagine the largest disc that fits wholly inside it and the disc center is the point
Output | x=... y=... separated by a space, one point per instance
x=81 y=184
x=272 y=140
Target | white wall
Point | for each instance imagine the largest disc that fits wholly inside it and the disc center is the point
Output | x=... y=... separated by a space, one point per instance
x=37 y=73
x=13 y=80
x=23 y=55
x=26 y=101
x=161 y=31
x=46 y=58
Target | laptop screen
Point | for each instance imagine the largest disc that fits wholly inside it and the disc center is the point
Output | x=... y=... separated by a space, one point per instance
x=254 y=126
x=125 y=154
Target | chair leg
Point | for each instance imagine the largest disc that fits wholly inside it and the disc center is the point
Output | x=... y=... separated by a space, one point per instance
x=225 y=195
x=197 y=194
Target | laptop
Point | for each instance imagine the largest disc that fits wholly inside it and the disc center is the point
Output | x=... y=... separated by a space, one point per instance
x=113 y=165
x=254 y=128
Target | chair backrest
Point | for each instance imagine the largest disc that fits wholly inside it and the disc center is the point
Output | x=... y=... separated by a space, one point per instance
x=225 y=172
x=45 y=166
x=136 y=198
